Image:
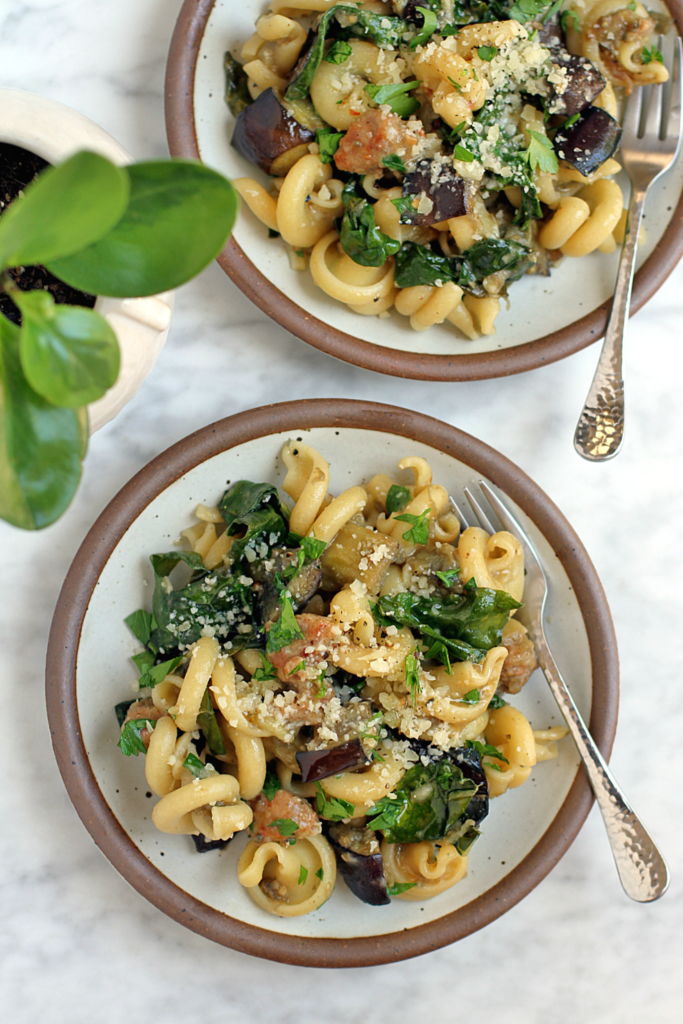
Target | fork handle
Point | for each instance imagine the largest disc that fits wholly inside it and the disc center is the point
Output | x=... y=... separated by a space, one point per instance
x=600 y=430
x=641 y=867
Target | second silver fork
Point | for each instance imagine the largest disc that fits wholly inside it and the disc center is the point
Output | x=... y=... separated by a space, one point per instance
x=642 y=869
x=647 y=151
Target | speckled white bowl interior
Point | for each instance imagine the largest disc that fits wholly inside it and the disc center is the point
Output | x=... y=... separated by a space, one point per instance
x=538 y=305
x=106 y=675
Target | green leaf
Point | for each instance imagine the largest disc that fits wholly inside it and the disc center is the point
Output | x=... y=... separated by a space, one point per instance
x=393 y=163
x=41 y=446
x=206 y=720
x=396 y=96
x=449 y=576
x=151 y=674
x=298 y=668
x=427 y=803
x=271 y=785
x=312 y=548
x=472 y=697
x=121 y=710
x=460 y=153
x=412 y=676
x=526 y=10
x=419 y=531
x=198 y=768
x=178 y=217
x=69 y=354
x=399 y=887
x=303 y=874
x=339 y=52
x=130 y=741
x=320 y=873
x=496 y=702
x=141 y=624
x=486 y=750
x=360 y=237
x=328 y=143
x=428 y=29
x=652 y=54
x=267 y=671
x=286 y=630
x=66 y=209
x=568 y=16
x=332 y=808
x=285 y=826
x=487 y=52
x=397 y=498
x=438 y=651
x=237 y=95
x=541 y=154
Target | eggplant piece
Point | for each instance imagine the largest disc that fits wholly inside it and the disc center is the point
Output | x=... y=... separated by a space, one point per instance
x=265 y=130
x=204 y=845
x=550 y=32
x=591 y=140
x=121 y=710
x=301 y=587
x=442 y=186
x=360 y=862
x=584 y=83
x=469 y=762
x=320 y=764
x=237 y=95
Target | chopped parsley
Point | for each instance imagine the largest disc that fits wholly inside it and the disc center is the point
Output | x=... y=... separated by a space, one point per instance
x=397 y=497
x=486 y=750
x=448 y=576
x=198 y=768
x=419 y=530
x=303 y=874
x=653 y=54
x=540 y=154
x=460 y=153
x=285 y=826
x=322 y=686
x=332 y=808
x=398 y=887
x=328 y=144
x=320 y=874
x=394 y=163
x=267 y=670
x=412 y=676
x=396 y=96
x=428 y=29
x=496 y=702
x=298 y=668
x=487 y=52
x=286 y=630
x=339 y=52
x=130 y=740
x=471 y=697
x=271 y=784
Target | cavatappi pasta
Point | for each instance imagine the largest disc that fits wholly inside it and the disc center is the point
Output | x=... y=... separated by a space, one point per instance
x=332 y=680
x=422 y=157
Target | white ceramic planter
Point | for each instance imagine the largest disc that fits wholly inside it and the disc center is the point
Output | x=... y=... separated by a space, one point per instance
x=55 y=132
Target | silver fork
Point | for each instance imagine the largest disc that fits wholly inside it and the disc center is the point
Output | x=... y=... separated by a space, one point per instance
x=649 y=145
x=642 y=869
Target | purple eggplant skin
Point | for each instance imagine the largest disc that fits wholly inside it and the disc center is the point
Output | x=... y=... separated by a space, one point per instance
x=364 y=876
x=321 y=764
x=265 y=130
x=446 y=189
x=469 y=762
x=550 y=32
x=591 y=140
x=584 y=83
x=204 y=845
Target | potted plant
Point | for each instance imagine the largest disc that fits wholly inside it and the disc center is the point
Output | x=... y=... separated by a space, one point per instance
x=125 y=232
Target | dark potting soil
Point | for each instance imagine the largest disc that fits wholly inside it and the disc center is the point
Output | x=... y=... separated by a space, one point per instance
x=18 y=168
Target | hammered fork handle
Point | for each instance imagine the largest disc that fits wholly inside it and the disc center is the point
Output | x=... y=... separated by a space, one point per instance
x=641 y=868
x=600 y=430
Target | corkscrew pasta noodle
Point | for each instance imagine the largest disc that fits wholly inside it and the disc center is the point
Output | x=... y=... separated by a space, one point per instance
x=343 y=667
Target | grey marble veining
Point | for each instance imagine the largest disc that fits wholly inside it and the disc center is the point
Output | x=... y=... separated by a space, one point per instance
x=78 y=944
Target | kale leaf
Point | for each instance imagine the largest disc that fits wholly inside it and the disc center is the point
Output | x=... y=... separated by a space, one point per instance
x=429 y=802
x=420 y=265
x=255 y=510
x=237 y=94
x=360 y=237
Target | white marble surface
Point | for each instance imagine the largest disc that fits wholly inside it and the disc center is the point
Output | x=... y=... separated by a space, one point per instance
x=78 y=944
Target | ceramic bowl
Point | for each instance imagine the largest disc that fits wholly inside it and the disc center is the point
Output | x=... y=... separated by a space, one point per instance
x=55 y=132
x=548 y=318
x=89 y=671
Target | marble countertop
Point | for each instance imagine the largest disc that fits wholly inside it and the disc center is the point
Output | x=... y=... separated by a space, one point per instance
x=78 y=944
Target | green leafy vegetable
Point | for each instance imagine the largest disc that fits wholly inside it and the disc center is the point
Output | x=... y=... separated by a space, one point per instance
x=526 y=10
x=487 y=52
x=130 y=740
x=206 y=720
x=198 y=768
x=394 y=163
x=649 y=55
x=397 y=498
x=267 y=670
x=419 y=530
x=568 y=16
x=570 y=121
x=449 y=576
x=303 y=874
x=339 y=52
x=396 y=96
x=428 y=29
x=178 y=217
x=460 y=153
x=121 y=710
x=328 y=143
x=298 y=668
x=320 y=873
x=496 y=702
x=69 y=354
x=332 y=808
x=286 y=630
x=486 y=750
x=438 y=651
x=472 y=697
x=541 y=154
x=141 y=624
x=419 y=265
x=429 y=801
x=360 y=237
x=271 y=785
x=237 y=94
x=151 y=674
x=285 y=826
x=398 y=887
x=412 y=676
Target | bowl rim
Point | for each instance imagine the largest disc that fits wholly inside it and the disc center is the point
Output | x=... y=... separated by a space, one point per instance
x=62 y=707
x=182 y=142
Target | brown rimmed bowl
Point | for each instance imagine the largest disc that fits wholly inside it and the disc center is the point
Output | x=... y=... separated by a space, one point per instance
x=548 y=318
x=89 y=671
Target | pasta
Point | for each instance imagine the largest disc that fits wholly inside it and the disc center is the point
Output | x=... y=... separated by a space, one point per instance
x=332 y=685
x=424 y=162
